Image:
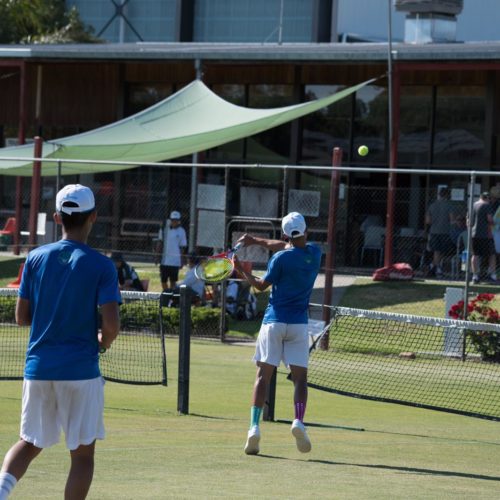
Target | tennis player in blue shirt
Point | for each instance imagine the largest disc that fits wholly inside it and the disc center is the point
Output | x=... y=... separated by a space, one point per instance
x=291 y=272
x=62 y=286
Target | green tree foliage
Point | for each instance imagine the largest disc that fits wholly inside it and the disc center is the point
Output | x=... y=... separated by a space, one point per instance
x=41 y=21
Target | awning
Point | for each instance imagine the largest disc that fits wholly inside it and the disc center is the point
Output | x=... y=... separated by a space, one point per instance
x=191 y=120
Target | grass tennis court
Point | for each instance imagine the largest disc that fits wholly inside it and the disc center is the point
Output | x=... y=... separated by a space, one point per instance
x=153 y=453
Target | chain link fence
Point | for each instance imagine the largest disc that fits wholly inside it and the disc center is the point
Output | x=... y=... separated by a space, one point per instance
x=219 y=203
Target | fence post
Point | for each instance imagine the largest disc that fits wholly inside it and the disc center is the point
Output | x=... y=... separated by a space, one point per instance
x=35 y=193
x=184 y=350
x=269 y=404
x=331 y=240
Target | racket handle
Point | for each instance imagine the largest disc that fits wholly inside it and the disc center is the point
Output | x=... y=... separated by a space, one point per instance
x=236 y=248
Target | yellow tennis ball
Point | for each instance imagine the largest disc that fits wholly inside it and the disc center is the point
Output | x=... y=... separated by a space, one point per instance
x=363 y=150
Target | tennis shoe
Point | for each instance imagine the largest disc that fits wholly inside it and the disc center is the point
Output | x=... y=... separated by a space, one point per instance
x=252 y=444
x=301 y=437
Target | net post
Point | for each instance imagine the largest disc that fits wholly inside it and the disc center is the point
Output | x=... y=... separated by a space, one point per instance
x=268 y=413
x=184 y=350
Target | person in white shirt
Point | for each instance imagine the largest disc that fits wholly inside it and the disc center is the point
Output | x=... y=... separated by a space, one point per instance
x=173 y=243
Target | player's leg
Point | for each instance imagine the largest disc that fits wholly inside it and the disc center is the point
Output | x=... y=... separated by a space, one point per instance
x=475 y=261
x=296 y=356
x=80 y=411
x=173 y=276
x=262 y=378
x=163 y=277
x=15 y=464
x=268 y=354
x=81 y=472
x=299 y=378
x=39 y=429
x=492 y=261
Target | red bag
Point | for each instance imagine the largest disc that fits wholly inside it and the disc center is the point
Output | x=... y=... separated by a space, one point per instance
x=399 y=271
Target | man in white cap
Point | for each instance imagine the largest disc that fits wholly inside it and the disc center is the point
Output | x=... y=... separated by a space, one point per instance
x=63 y=284
x=173 y=243
x=291 y=272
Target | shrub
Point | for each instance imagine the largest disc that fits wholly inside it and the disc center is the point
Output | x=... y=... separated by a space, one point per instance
x=8 y=309
x=142 y=315
x=487 y=343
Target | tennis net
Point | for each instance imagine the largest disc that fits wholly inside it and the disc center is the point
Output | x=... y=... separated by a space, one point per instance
x=137 y=356
x=411 y=360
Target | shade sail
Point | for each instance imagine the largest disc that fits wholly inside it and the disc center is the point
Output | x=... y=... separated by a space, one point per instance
x=191 y=120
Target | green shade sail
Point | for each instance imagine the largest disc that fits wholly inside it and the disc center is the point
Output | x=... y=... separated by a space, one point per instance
x=191 y=120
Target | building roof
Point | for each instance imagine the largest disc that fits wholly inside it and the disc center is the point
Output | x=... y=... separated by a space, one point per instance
x=334 y=52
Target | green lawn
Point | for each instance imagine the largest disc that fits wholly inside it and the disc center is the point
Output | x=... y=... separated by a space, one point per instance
x=361 y=449
x=419 y=297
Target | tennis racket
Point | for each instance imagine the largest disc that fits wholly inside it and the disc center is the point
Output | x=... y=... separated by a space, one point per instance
x=217 y=268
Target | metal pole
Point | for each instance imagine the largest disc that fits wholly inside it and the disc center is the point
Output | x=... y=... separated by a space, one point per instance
x=270 y=402
x=35 y=193
x=21 y=139
x=184 y=349
x=469 y=242
x=389 y=67
x=280 y=29
x=331 y=243
x=393 y=144
x=194 y=182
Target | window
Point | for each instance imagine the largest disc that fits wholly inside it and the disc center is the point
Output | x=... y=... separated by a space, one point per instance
x=460 y=126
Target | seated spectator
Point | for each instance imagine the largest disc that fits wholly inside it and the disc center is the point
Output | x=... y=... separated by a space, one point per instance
x=127 y=276
x=196 y=285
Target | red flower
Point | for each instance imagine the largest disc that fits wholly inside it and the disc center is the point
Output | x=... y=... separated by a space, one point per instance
x=478 y=309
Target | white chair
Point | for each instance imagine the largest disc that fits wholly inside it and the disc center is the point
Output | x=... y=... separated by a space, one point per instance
x=374 y=242
x=41 y=226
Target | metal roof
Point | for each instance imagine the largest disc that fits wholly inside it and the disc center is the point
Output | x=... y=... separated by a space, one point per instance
x=362 y=52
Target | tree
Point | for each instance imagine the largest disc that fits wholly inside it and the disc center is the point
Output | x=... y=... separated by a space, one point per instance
x=42 y=21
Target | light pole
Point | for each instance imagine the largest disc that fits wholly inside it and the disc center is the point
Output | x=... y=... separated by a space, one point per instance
x=391 y=181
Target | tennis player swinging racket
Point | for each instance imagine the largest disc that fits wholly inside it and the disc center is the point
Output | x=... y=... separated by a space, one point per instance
x=291 y=272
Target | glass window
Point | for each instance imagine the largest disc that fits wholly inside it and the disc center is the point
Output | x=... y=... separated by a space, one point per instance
x=415 y=125
x=460 y=126
x=153 y=20
x=327 y=128
x=252 y=21
x=273 y=145
x=143 y=95
x=370 y=124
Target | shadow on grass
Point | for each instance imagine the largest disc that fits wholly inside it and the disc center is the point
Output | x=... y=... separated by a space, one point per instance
x=411 y=470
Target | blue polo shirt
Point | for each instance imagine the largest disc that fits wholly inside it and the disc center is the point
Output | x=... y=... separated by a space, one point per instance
x=64 y=283
x=292 y=273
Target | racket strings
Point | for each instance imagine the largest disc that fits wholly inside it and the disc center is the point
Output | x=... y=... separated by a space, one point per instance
x=214 y=270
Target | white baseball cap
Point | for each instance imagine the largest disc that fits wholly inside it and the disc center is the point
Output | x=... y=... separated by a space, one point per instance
x=175 y=215
x=293 y=225
x=81 y=196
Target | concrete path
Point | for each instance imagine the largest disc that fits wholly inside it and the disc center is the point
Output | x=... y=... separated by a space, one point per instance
x=340 y=284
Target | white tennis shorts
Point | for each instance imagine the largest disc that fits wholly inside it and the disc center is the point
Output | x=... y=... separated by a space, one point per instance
x=73 y=406
x=283 y=342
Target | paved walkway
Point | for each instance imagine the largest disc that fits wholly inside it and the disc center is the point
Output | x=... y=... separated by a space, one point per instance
x=340 y=284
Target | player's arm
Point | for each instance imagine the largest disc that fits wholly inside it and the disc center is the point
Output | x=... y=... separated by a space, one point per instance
x=268 y=244
x=254 y=281
x=23 y=312
x=110 y=324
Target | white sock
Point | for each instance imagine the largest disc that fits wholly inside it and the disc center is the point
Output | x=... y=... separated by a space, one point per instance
x=7 y=483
